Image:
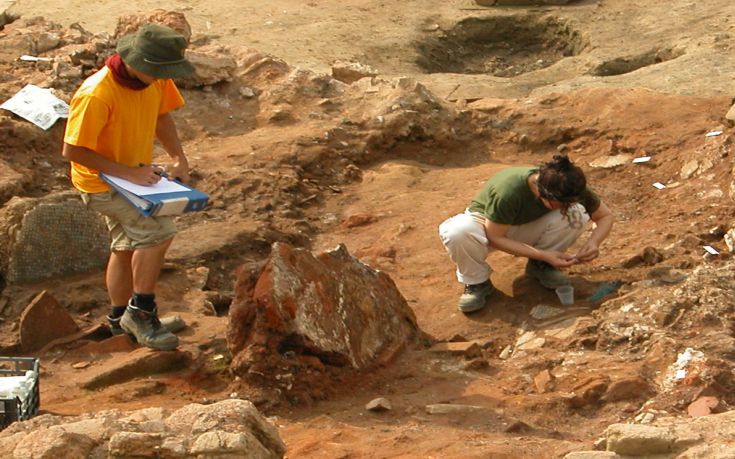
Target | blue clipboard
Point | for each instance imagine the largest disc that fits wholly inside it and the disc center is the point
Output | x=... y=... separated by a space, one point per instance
x=165 y=198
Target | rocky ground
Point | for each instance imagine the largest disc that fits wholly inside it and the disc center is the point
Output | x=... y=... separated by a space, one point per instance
x=293 y=147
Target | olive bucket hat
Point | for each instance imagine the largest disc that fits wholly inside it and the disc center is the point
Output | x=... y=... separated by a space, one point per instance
x=157 y=51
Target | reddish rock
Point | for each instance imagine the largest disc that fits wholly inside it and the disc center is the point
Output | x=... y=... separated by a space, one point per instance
x=626 y=389
x=119 y=343
x=96 y=332
x=311 y=361
x=173 y=19
x=330 y=305
x=543 y=381
x=358 y=220
x=469 y=349
x=703 y=406
x=588 y=392
x=43 y=321
x=375 y=253
x=518 y=427
x=241 y=330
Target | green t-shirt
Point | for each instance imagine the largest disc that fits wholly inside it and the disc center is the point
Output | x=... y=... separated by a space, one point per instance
x=507 y=199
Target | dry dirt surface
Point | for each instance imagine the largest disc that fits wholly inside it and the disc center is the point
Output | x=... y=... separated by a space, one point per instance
x=605 y=81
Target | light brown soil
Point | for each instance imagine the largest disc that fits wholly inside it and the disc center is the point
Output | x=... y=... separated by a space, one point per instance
x=662 y=109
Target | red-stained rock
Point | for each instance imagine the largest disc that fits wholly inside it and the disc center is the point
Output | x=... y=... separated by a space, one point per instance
x=175 y=20
x=330 y=305
x=703 y=406
x=543 y=381
x=43 y=321
x=359 y=220
x=588 y=392
x=119 y=343
x=626 y=389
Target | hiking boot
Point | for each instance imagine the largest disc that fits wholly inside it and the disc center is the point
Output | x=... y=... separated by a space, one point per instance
x=546 y=274
x=174 y=324
x=147 y=329
x=475 y=297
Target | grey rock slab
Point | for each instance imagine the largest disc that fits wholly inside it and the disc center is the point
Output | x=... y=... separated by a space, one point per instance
x=543 y=312
x=448 y=408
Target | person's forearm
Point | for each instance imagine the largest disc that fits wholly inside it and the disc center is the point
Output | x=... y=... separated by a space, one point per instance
x=603 y=226
x=166 y=134
x=93 y=160
x=141 y=175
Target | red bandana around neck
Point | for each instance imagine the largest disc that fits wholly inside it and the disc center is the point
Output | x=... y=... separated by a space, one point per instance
x=121 y=75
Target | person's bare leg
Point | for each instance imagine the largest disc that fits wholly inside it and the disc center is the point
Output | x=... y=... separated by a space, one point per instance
x=146 y=267
x=119 y=277
x=140 y=318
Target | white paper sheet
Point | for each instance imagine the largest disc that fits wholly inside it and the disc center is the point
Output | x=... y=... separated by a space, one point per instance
x=37 y=105
x=163 y=186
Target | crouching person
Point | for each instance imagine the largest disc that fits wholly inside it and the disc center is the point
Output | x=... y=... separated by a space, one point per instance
x=532 y=212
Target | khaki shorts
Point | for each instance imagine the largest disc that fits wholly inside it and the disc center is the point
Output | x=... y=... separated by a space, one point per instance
x=129 y=229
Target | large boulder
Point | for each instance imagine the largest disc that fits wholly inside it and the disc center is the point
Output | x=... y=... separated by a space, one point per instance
x=325 y=310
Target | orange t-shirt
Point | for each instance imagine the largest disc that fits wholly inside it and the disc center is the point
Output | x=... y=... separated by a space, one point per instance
x=116 y=122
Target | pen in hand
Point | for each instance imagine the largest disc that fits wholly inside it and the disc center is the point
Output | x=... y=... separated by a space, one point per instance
x=159 y=171
x=149 y=174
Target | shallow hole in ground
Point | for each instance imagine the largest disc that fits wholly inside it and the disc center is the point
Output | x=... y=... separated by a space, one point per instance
x=623 y=65
x=501 y=46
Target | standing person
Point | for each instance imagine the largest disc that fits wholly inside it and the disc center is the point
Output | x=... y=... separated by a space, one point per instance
x=531 y=212
x=115 y=116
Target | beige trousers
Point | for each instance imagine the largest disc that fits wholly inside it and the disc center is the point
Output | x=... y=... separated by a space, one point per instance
x=466 y=242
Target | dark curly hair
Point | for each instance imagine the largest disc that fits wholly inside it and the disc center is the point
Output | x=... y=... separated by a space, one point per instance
x=560 y=180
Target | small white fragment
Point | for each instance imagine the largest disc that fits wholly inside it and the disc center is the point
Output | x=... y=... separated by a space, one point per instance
x=642 y=159
x=28 y=58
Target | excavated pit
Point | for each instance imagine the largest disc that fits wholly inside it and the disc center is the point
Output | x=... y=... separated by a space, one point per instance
x=500 y=46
